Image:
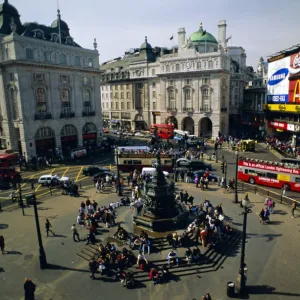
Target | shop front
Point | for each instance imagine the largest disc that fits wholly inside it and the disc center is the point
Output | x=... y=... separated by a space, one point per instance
x=89 y=135
x=69 y=139
x=45 y=142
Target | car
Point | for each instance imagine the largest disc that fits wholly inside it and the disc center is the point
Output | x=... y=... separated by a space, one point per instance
x=193 y=164
x=56 y=180
x=211 y=177
x=46 y=179
x=103 y=175
x=92 y=170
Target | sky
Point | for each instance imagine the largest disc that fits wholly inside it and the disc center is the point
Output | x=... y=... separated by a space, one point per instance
x=261 y=27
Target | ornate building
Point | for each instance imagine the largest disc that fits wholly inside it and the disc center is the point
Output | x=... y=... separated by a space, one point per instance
x=49 y=87
x=188 y=85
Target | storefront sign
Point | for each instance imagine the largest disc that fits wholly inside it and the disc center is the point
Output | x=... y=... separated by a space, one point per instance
x=278 y=125
x=278 y=83
x=282 y=107
x=295 y=63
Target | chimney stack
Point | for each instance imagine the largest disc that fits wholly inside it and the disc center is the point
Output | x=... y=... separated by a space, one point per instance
x=222 y=33
x=181 y=37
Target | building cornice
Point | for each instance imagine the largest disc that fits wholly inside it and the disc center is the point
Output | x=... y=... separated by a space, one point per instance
x=48 y=66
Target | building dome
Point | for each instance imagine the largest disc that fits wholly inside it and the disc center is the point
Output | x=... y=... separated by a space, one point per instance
x=63 y=25
x=198 y=37
x=7 y=8
x=145 y=45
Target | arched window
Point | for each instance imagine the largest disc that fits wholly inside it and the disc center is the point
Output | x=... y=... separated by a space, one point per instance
x=65 y=101
x=187 y=98
x=90 y=62
x=29 y=54
x=40 y=98
x=77 y=61
x=171 y=99
x=44 y=133
x=14 y=101
x=87 y=101
x=68 y=130
x=89 y=127
x=47 y=56
x=63 y=59
x=153 y=72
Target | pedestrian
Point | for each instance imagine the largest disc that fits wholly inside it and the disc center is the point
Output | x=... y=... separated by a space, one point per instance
x=75 y=233
x=294 y=206
x=2 y=244
x=284 y=194
x=93 y=268
x=48 y=226
x=206 y=297
x=29 y=289
x=95 y=205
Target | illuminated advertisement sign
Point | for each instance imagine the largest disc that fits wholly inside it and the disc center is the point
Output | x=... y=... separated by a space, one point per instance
x=282 y=107
x=281 y=126
x=294 y=86
x=278 y=83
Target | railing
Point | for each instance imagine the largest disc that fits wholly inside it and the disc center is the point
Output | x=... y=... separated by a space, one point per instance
x=88 y=113
x=187 y=109
x=42 y=116
x=171 y=109
x=265 y=192
x=67 y=115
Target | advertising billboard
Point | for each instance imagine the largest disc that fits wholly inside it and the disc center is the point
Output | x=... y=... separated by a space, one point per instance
x=278 y=83
x=294 y=86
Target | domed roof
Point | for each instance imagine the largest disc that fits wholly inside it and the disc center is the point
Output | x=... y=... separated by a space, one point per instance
x=8 y=9
x=146 y=45
x=63 y=25
x=198 y=37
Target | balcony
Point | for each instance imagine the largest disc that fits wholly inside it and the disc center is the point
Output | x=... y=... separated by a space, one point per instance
x=64 y=115
x=42 y=116
x=171 y=109
x=188 y=109
x=88 y=114
x=224 y=109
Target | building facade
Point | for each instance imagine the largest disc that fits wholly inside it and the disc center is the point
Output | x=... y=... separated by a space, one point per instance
x=187 y=85
x=50 y=88
x=255 y=97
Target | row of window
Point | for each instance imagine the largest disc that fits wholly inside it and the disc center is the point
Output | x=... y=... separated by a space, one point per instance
x=105 y=105
x=62 y=58
x=195 y=65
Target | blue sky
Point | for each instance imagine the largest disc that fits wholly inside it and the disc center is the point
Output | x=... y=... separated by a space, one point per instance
x=261 y=27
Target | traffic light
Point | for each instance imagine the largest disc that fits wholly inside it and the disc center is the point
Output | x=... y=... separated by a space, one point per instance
x=223 y=167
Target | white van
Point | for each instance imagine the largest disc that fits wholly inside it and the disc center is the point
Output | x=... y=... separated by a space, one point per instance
x=150 y=171
x=45 y=179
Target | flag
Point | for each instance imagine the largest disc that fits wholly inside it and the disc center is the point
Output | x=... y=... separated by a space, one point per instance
x=171 y=38
x=204 y=32
x=227 y=40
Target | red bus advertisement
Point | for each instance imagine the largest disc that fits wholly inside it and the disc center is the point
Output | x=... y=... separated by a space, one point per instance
x=164 y=131
x=8 y=160
x=273 y=174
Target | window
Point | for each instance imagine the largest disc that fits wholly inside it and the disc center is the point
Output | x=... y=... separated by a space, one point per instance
x=153 y=84
x=128 y=105
x=65 y=101
x=188 y=98
x=153 y=72
x=121 y=87
x=38 y=77
x=171 y=96
x=205 y=92
x=153 y=94
x=154 y=106
x=187 y=81
x=171 y=82
x=116 y=87
x=205 y=100
x=7 y=54
x=29 y=53
x=210 y=64
x=106 y=104
x=116 y=96
x=117 y=105
x=85 y=81
x=90 y=62
x=112 y=105
x=177 y=67
x=167 y=68
x=122 y=95
x=106 y=96
x=87 y=100
x=122 y=106
x=127 y=86
x=206 y=81
x=40 y=98
x=11 y=76
x=62 y=59
x=47 y=56
x=198 y=65
x=14 y=101
x=128 y=95
x=77 y=60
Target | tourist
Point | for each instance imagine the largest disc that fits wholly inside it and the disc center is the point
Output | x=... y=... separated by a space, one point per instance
x=172 y=257
x=2 y=244
x=294 y=206
x=75 y=233
x=29 y=289
x=154 y=276
x=188 y=255
x=48 y=226
x=142 y=261
x=93 y=268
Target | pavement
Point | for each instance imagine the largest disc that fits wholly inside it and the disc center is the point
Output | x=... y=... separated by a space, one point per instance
x=272 y=255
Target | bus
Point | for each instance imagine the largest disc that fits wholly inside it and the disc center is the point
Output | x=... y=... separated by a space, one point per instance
x=164 y=131
x=8 y=160
x=132 y=149
x=128 y=162
x=268 y=173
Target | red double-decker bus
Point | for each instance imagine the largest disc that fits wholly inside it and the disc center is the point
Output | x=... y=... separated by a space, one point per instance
x=164 y=131
x=273 y=174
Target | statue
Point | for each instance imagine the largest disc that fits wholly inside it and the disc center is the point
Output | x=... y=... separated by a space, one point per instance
x=188 y=43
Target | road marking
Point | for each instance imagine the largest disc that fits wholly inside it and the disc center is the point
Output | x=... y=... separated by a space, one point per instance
x=78 y=174
x=65 y=172
x=52 y=171
x=37 y=188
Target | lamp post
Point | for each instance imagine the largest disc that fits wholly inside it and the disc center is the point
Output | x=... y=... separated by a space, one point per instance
x=236 y=200
x=118 y=170
x=21 y=203
x=42 y=254
x=241 y=279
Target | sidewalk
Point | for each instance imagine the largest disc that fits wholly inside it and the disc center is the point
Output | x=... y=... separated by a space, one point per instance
x=269 y=251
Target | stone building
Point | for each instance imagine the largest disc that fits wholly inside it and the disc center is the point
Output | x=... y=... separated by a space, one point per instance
x=49 y=85
x=188 y=85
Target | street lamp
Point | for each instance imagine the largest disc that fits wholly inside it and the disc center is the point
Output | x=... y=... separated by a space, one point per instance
x=236 y=200
x=241 y=279
x=118 y=170
x=21 y=202
x=42 y=256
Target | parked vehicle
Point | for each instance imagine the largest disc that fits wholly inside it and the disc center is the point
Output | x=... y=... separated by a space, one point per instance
x=10 y=174
x=193 y=164
x=92 y=170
